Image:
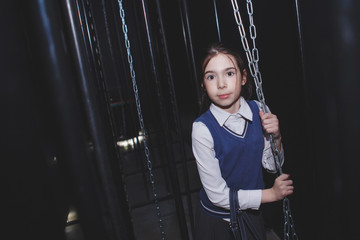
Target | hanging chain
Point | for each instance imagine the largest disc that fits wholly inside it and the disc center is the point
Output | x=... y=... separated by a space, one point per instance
x=253 y=60
x=141 y=120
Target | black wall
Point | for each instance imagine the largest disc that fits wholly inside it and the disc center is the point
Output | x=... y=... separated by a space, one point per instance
x=331 y=47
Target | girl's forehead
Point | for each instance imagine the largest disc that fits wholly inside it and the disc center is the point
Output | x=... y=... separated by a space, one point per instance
x=221 y=60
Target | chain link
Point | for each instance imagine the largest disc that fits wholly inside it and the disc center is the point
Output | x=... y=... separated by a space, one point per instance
x=253 y=60
x=141 y=119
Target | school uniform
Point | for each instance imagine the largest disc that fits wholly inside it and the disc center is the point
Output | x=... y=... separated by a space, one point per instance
x=230 y=151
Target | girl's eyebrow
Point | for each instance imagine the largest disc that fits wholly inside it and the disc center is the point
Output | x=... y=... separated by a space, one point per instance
x=225 y=70
x=229 y=68
x=208 y=72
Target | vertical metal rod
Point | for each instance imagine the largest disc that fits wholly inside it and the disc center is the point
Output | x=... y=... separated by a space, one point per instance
x=176 y=113
x=73 y=136
x=184 y=14
x=140 y=115
x=119 y=222
x=171 y=160
x=298 y=18
x=217 y=21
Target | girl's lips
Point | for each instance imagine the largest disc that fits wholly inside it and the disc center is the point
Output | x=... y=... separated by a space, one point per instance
x=224 y=96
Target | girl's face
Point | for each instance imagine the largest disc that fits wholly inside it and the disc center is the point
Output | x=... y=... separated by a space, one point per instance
x=223 y=81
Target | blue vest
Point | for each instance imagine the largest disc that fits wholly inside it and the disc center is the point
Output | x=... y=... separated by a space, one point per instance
x=239 y=158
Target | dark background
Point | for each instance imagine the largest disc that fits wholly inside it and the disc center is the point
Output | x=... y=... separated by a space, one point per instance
x=67 y=99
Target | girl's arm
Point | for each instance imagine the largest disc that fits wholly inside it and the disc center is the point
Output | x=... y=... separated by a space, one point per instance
x=268 y=158
x=283 y=185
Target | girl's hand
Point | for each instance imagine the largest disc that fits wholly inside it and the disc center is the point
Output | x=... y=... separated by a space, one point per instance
x=270 y=124
x=282 y=187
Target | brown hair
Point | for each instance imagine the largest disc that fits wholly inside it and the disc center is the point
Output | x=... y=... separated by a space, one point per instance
x=213 y=50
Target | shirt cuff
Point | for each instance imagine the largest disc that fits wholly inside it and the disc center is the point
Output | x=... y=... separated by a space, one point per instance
x=249 y=199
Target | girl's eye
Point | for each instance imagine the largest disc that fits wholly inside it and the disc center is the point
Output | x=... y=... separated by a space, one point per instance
x=210 y=77
x=230 y=73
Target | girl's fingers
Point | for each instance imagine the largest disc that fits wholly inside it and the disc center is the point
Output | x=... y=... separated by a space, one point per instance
x=283 y=176
x=265 y=115
x=261 y=113
x=271 y=129
x=268 y=118
x=269 y=121
x=286 y=181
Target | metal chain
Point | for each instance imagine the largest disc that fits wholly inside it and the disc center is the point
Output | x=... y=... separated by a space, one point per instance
x=253 y=60
x=141 y=120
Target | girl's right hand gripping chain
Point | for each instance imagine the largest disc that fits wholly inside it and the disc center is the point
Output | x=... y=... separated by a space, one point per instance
x=283 y=186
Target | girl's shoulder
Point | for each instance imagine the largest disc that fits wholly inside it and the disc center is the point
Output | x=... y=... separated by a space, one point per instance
x=203 y=117
x=201 y=133
x=254 y=101
x=253 y=104
x=259 y=104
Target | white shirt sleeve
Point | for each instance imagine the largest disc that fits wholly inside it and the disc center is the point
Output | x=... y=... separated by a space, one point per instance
x=210 y=174
x=268 y=157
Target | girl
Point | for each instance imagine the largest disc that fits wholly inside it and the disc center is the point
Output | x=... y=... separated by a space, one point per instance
x=230 y=142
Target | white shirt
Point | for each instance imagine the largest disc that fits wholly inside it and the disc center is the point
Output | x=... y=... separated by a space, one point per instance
x=208 y=166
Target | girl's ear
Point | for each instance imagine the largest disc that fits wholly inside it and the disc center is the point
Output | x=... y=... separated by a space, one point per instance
x=243 y=77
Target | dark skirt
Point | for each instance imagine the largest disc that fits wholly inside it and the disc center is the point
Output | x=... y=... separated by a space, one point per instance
x=208 y=227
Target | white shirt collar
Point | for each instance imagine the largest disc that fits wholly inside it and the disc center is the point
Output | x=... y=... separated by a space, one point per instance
x=222 y=116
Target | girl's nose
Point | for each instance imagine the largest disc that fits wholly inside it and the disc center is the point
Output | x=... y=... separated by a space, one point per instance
x=221 y=83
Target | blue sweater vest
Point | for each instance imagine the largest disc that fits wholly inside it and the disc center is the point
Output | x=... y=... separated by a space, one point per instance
x=239 y=158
